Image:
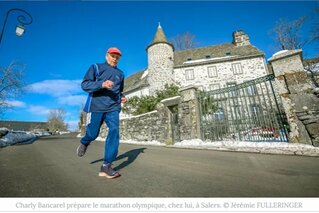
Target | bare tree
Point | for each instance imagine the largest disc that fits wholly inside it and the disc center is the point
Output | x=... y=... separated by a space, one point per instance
x=82 y=122
x=56 y=120
x=315 y=28
x=287 y=34
x=11 y=83
x=311 y=66
x=184 y=41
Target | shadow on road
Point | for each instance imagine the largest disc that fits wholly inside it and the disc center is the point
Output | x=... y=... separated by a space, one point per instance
x=130 y=155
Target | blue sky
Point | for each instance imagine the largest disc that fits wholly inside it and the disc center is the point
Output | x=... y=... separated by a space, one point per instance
x=65 y=38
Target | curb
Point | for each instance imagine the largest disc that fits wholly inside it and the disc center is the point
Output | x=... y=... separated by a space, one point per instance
x=305 y=152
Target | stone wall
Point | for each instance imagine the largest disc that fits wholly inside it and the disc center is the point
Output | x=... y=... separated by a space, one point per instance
x=161 y=125
x=146 y=127
x=297 y=93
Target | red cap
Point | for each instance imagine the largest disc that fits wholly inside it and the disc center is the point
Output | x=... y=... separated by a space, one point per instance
x=114 y=50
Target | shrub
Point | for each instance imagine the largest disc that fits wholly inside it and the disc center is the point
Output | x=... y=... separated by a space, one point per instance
x=139 y=105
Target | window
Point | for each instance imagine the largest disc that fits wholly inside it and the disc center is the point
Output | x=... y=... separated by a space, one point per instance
x=212 y=71
x=234 y=91
x=214 y=86
x=237 y=113
x=207 y=56
x=227 y=53
x=237 y=69
x=189 y=59
x=255 y=110
x=219 y=114
x=251 y=90
x=230 y=84
x=189 y=74
x=256 y=114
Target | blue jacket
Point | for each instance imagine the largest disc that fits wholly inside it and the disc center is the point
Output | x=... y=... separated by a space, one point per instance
x=102 y=99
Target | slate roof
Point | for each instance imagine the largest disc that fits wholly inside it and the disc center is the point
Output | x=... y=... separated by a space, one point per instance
x=135 y=82
x=218 y=51
x=160 y=38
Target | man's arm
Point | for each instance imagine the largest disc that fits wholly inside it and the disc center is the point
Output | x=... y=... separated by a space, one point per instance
x=89 y=83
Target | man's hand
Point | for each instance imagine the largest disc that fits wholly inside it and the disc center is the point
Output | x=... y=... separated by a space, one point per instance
x=107 y=84
x=123 y=100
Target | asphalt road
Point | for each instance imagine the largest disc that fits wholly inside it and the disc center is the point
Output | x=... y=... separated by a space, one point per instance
x=50 y=168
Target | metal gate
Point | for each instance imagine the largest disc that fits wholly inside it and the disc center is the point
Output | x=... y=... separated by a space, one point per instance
x=174 y=123
x=249 y=111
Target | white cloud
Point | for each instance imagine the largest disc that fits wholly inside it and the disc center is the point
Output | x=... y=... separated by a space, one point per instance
x=16 y=103
x=66 y=94
x=39 y=110
x=73 y=100
x=56 y=88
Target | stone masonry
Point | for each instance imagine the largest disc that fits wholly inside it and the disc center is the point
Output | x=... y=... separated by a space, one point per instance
x=157 y=125
x=160 y=62
x=188 y=112
x=253 y=67
x=295 y=89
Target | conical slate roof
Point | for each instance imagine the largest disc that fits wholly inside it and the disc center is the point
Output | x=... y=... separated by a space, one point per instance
x=159 y=37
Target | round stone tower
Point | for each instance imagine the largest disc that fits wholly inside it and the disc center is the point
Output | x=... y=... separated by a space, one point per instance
x=160 y=62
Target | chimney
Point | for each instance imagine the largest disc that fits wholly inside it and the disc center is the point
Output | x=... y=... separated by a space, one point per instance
x=240 y=38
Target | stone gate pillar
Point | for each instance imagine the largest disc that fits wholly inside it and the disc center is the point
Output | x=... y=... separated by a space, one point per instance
x=189 y=114
x=295 y=89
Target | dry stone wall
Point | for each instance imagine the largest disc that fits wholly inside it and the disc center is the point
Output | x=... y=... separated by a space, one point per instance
x=158 y=125
x=297 y=93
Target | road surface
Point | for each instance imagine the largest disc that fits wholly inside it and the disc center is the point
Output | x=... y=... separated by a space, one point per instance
x=50 y=168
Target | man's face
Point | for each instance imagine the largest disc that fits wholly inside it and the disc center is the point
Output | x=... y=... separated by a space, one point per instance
x=112 y=59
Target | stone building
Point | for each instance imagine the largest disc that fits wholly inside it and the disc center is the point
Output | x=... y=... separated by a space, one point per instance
x=217 y=68
x=207 y=68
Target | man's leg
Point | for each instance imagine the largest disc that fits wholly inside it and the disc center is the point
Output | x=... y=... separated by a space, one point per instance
x=113 y=138
x=111 y=145
x=94 y=121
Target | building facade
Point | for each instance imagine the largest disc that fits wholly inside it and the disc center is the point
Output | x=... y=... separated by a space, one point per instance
x=207 y=68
